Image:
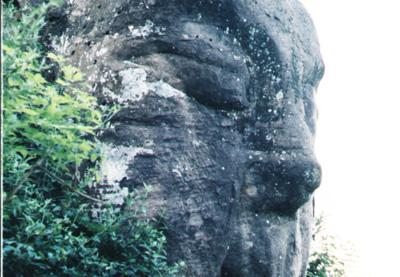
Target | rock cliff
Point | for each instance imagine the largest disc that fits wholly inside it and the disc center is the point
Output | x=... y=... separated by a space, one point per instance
x=217 y=116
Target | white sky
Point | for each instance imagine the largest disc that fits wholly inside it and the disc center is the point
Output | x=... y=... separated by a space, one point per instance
x=358 y=138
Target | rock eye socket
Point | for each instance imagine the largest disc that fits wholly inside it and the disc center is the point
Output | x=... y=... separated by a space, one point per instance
x=207 y=66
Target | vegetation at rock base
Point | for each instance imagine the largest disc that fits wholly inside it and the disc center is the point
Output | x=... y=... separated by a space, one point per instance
x=324 y=261
x=49 y=141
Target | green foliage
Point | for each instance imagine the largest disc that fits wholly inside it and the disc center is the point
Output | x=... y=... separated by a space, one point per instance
x=324 y=261
x=46 y=125
x=49 y=142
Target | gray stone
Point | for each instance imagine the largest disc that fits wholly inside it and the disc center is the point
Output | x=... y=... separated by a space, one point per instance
x=217 y=116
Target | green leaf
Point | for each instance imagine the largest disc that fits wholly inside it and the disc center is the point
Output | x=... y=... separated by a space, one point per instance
x=22 y=150
x=56 y=58
x=71 y=73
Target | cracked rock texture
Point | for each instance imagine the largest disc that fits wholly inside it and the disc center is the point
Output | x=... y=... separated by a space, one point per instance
x=217 y=116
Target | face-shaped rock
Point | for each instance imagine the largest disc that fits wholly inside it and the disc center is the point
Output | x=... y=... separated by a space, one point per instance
x=217 y=116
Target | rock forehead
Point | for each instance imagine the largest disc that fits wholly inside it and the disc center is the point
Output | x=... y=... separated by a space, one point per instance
x=217 y=116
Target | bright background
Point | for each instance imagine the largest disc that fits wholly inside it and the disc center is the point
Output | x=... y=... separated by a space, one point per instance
x=358 y=138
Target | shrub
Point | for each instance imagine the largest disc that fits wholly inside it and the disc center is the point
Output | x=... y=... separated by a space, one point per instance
x=49 y=140
x=324 y=260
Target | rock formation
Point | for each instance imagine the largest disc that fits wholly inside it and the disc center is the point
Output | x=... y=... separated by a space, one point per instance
x=217 y=116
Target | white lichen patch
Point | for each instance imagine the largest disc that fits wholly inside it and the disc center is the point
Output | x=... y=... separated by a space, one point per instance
x=177 y=172
x=114 y=169
x=195 y=220
x=200 y=235
x=251 y=191
x=134 y=86
x=248 y=245
x=62 y=44
x=146 y=30
x=279 y=96
x=101 y=51
x=165 y=90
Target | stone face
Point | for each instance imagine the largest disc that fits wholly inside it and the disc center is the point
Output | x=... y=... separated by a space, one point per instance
x=217 y=117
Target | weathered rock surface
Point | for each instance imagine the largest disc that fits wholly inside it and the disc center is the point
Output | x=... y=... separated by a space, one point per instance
x=217 y=116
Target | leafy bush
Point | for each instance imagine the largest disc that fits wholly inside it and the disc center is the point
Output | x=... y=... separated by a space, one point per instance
x=49 y=141
x=324 y=261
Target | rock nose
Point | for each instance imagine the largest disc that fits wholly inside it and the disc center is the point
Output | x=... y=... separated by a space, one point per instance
x=280 y=182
